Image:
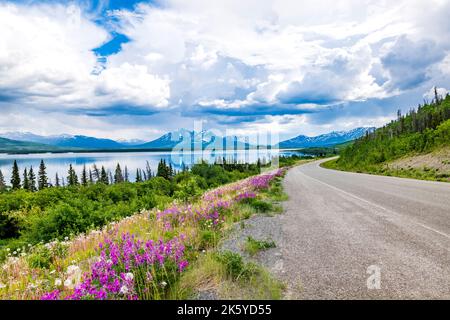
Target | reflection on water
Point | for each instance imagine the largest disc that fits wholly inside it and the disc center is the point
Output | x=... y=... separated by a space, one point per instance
x=59 y=163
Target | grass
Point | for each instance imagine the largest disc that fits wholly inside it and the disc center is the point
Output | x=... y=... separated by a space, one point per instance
x=253 y=246
x=424 y=173
x=230 y=277
x=30 y=276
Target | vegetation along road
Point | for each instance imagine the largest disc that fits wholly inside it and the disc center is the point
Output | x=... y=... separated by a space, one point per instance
x=358 y=236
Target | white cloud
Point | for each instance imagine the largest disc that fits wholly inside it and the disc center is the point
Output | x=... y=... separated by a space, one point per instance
x=228 y=54
x=46 y=60
x=430 y=95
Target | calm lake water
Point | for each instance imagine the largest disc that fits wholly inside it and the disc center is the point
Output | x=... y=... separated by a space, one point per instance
x=59 y=162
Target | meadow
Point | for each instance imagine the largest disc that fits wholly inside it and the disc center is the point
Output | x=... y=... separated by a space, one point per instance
x=166 y=250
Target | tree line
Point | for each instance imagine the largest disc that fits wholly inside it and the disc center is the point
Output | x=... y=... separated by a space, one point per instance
x=28 y=180
x=427 y=116
x=418 y=131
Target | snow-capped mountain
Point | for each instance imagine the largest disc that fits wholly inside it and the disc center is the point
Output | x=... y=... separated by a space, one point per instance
x=130 y=142
x=185 y=139
x=182 y=139
x=329 y=139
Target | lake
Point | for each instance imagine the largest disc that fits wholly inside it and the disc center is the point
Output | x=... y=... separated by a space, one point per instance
x=59 y=162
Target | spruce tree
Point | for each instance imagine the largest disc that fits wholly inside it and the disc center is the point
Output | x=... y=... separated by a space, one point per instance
x=25 y=181
x=103 y=176
x=138 y=175
x=32 y=180
x=84 y=177
x=118 y=176
x=148 y=171
x=2 y=182
x=72 y=178
x=42 y=176
x=126 y=176
x=96 y=173
x=171 y=172
x=163 y=169
x=15 y=177
x=57 y=183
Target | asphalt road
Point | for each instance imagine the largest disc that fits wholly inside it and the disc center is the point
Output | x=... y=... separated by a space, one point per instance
x=341 y=230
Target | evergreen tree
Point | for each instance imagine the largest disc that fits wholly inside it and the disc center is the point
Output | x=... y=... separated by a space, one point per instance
x=96 y=173
x=25 y=181
x=163 y=170
x=15 y=178
x=148 y=171
x=72 y=178
x=57 y=183
x=91 y=177
x=42 y=176
x=118 y=176
x=171 y=172
x=2 y=182
x=126 y=175
x=84 y=177
x=138 y=175
x=103 y=176
x=32 y=180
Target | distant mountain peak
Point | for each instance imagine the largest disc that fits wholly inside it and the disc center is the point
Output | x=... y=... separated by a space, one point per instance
x=324 y=140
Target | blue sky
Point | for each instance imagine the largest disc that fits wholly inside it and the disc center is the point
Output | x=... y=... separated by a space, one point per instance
x=137 y=69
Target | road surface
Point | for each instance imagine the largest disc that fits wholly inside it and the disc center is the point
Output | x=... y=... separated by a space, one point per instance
x=358 y=236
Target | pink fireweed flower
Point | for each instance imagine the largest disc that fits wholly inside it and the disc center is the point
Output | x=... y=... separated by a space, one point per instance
x=112 y=276
x=53 y=295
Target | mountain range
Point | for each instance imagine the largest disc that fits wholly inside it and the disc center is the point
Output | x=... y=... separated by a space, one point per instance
x=325 y=140
x=181 y=139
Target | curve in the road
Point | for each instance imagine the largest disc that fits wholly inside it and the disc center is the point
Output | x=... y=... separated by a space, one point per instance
x=339 y=227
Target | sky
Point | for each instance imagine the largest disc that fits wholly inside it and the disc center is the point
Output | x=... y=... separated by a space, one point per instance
x=137 y=69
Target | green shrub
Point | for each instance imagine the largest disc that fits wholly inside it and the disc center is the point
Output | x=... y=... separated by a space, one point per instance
x=40 y=258
x=253 y=246
x=259 y=205
x=235 y=266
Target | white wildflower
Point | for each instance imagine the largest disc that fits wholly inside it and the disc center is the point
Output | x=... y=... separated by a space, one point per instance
x=124 y=290
x=52 y=272
x=73 y=276
x=32 y=286
x=2 y=285
x=129 y=276
x=163 y=284
x=69 y=284
x=66 y=238
x=58 y=282
x=8 y=249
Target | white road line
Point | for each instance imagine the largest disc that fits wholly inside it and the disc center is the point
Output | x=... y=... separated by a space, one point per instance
x=377 y=206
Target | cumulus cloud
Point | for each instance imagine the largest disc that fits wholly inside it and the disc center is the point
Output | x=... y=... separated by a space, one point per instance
x=407 y=62
x=232 y=61
x=47 y=60
x=431 y=94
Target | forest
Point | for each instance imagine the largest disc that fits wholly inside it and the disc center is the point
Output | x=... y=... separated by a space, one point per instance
x=419 y=131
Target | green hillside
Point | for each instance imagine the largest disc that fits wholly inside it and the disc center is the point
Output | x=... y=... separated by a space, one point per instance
x=13 y=146
x=416 y=145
